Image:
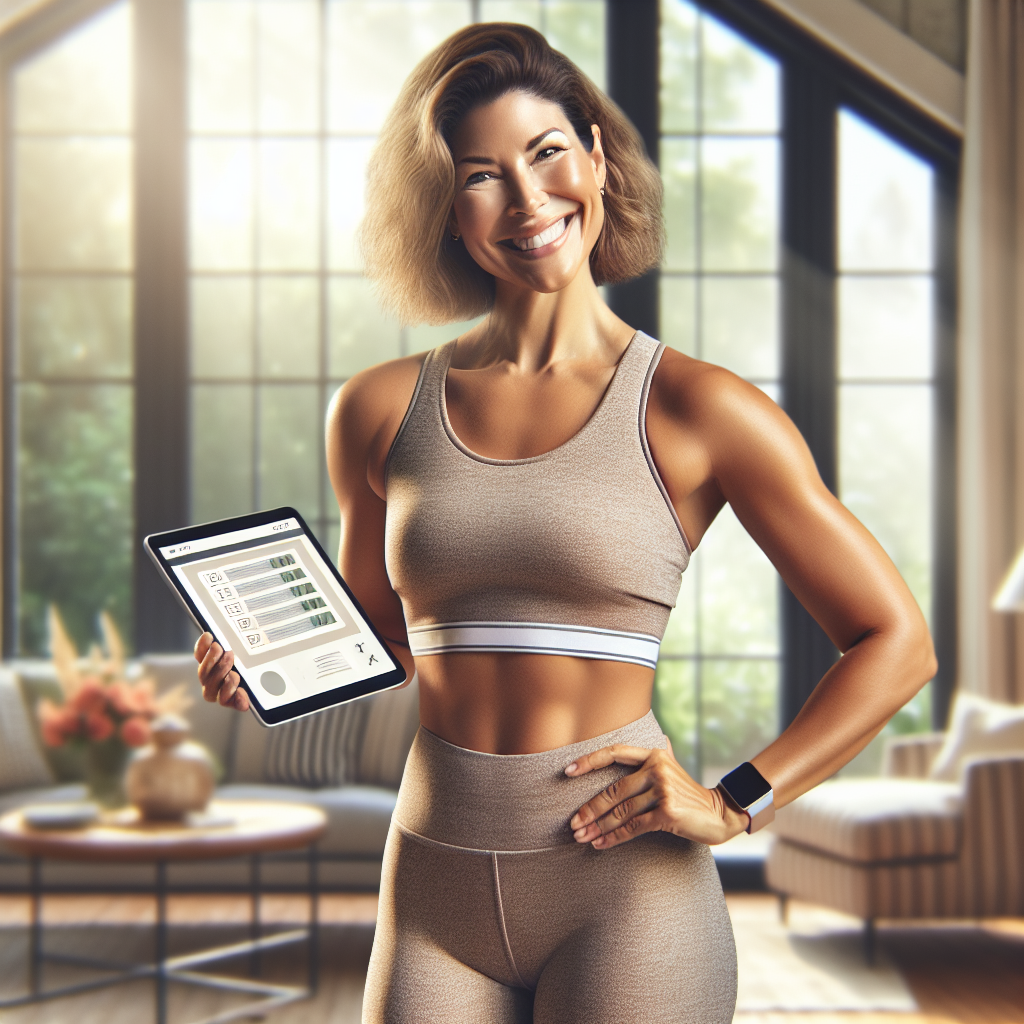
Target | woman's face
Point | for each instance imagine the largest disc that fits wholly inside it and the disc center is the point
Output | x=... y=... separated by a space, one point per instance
x=527 y=194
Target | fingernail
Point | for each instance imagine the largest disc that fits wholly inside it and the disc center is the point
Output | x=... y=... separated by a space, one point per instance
x=579 y=833
x=571 y=768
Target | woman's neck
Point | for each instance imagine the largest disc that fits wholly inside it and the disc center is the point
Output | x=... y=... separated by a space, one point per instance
x=534 y=329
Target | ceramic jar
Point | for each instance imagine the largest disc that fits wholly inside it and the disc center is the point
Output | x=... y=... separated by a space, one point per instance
x=172 y=776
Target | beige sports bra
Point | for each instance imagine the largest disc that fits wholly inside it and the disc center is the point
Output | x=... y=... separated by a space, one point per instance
x=575 y=552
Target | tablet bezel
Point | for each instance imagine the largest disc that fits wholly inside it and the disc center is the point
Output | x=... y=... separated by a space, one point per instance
x=307 y=705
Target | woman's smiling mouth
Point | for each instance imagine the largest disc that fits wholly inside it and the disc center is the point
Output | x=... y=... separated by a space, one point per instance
x=540 y=241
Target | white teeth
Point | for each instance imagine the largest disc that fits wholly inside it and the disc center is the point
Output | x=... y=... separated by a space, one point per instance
x=543 y=238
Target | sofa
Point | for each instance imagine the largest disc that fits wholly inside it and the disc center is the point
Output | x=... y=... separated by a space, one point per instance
x=940 y=835
x=347 y=761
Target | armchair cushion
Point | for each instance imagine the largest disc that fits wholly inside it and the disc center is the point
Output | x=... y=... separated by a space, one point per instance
x=978 y=728
x=873 y=821
x=911 y=756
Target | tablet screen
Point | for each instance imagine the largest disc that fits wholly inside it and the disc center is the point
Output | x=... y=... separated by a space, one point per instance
x=266 y=593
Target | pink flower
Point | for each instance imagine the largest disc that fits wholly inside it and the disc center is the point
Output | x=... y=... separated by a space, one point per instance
x=143 y=697
x=121 y=699
x=98 y=726
x=91 y=698
x=135 y=731
x=51 y=721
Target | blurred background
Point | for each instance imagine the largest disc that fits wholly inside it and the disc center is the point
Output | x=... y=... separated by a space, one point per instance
x=183 y=295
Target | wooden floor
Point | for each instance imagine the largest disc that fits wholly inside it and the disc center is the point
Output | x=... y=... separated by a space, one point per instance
x=959 y=974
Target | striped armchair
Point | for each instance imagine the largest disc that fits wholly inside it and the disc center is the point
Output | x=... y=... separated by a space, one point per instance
x=904 y=846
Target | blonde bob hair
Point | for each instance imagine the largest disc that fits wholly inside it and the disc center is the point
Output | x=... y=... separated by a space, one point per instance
x=421 y=273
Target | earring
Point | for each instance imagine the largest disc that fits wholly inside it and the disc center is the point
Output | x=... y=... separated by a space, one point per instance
x=455 y=237
x=601 y=190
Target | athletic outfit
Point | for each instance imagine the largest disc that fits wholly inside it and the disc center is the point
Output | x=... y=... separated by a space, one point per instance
x=490 y=911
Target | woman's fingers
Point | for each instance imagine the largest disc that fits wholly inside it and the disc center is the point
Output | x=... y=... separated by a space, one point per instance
x=635 y=826
x=661 y=796
x=228 y=689
x=619 y=817
x=213 y=670
x=617 y=754
x=202 y=646
x=241 y=700
x=220 y=683
x=613 y=796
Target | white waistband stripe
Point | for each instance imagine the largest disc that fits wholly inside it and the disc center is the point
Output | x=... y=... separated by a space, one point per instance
x=536 y=638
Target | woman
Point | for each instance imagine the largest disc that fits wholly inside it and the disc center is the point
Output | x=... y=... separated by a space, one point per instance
x=517 y=507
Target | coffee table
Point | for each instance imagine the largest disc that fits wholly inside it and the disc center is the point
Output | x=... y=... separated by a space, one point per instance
x=228 y=829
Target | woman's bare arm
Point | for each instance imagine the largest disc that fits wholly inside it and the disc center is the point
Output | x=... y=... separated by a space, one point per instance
x=714 y=439
x=834 y=567
x=362 y=423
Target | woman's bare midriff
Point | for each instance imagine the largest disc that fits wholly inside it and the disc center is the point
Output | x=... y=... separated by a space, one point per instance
x=528 y=703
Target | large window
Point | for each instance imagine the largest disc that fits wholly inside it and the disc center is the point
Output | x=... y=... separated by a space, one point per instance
x=808 y=215
x=886 y=360
x=69 y=353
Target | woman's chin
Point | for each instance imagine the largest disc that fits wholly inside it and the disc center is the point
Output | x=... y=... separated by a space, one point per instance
x=554 y=274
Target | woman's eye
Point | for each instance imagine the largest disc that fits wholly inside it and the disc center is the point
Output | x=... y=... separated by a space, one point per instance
x=550 y=151
x=478 y=178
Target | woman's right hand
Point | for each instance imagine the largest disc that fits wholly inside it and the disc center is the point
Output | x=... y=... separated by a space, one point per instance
x=220 y=681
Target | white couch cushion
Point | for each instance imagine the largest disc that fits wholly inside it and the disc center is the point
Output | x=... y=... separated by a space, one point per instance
x=22 y=764
x=358 y=817
x=979 y=728
x=875 y=820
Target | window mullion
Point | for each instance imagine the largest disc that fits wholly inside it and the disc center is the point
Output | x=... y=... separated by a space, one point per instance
x=944 y=501
x=809 y=218
x=633 y=83
x=161 y=310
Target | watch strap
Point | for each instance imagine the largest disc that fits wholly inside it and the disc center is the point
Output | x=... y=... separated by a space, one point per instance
x=761 y=813
x=749 y=791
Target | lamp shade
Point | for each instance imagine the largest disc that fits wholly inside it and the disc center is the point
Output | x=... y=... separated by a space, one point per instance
x=1010 y=595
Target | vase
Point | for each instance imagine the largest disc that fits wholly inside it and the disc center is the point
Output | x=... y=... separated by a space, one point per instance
x=105 y=765
x=171 y=777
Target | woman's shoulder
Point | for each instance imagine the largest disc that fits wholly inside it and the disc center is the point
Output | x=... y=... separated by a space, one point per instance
x=378 y=393
x=694 y=390
x=366 y=413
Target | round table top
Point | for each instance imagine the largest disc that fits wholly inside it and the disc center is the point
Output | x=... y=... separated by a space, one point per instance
x=228 y=828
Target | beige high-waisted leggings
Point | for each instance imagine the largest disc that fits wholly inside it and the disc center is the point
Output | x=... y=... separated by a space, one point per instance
x=491 y=913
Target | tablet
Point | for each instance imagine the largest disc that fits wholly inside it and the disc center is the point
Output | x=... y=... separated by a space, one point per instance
x=263 y=586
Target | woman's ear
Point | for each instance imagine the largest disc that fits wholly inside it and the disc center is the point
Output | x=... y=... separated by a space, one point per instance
x=597 y=157
x=453 y=226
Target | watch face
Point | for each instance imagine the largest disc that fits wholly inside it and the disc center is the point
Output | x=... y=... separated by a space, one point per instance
x=746 y=785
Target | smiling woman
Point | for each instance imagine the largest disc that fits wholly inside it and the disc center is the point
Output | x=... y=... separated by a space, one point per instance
x=424 y=273
x=517 y=507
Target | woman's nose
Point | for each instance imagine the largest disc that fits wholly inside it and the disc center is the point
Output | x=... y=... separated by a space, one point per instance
x=525 y=196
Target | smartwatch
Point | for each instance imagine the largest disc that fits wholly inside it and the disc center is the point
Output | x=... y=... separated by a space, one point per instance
x=750 y=791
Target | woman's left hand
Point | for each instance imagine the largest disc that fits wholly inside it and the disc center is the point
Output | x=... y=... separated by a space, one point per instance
x=658 y=797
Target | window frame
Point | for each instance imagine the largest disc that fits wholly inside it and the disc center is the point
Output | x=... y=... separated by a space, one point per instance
x=816 y=83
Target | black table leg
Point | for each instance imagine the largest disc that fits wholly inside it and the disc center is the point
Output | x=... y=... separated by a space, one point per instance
x=255 y=883
x=161 y=942
x=314 y=920
x=35 y=953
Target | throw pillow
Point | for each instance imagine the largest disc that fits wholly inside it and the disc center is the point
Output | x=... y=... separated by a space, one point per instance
x=22 y=765
x=319 y=750
x=979 y=727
